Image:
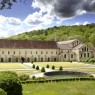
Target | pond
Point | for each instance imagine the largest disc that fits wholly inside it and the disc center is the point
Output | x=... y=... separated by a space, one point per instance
x=65 y=74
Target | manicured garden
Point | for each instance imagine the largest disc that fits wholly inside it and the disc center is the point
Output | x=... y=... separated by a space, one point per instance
x=64 y=64
x=47 y=86
x=60 y=88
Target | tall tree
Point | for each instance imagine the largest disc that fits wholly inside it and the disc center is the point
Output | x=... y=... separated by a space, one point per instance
x=7 y=4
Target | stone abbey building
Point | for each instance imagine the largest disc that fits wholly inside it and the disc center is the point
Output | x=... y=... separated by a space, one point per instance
x=44 y=51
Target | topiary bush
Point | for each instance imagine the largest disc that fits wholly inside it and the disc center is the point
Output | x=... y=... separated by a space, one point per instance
x=37 y=67
x=31 y=62
x=53 y=67
x=10 y=82
x=42 y=69
x=33 y=66
x=33 y=77
x=60 y=68
x=2 y=92
x=47 y=66
x=23 y=77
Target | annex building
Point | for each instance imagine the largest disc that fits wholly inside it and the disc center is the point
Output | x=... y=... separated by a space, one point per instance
x=44 y=51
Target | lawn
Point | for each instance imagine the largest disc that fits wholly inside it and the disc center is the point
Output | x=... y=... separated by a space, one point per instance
x=11 y=66
x=18 y=68
x=30 y=72
x=64 y=64
x=60 y=88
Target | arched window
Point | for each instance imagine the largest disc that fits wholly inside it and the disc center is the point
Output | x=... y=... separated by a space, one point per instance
x=48 y=59
x=65 y=56
x=71 y=55
x=41 y=59
x=84 y=48
x=9 y=59
x=54 y=59
x=22 y=59
x=2 y=60
x=16 y=59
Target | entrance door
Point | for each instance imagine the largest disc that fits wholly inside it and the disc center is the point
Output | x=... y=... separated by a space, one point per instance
x=22 y=59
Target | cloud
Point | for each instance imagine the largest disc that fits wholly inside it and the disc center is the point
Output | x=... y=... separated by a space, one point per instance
x=86 y=22
x=12 y=26
x=77 y=23
x=65 y=8
x=14 y=21
x=38 y=18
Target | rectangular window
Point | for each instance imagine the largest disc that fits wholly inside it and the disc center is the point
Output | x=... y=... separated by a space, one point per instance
x=88 y=54
x=87 y=48
x=81 y=54
x=46 y=52
x=71 y=55
x=51 y=52
x=65 y=56
x=2 y=52
x=31 y=52
x=41 y=52
x=84 y=54
x=36 y=52
x=19 y=52
x=8 y=52
x=14 y=52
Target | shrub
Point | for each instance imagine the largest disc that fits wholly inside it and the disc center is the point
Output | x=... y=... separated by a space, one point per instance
x=2 y=92
x=33 y=66
x=37 y=67
x=53 y=67
x=42 y=69
x=92 y=60
x=32 y=62
x=47 y=66
x=21 y=61
x=10 y=82
x=33 y=77
x=60 y=68
x=24 y=77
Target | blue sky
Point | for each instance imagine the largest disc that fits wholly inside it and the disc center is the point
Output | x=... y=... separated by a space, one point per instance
x=41 y=14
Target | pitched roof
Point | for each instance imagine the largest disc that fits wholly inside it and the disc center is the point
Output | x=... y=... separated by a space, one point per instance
x=27 y=44
x=79 y=46
x=65 y=46
x=67 y=42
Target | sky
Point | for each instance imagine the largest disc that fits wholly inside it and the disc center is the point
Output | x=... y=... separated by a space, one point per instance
x=42 y=14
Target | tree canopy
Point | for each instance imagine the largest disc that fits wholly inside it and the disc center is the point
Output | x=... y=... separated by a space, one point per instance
x=7 y=4
x=83 y=32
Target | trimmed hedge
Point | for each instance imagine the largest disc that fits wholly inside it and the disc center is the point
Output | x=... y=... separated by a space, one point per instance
x=23 y=77
x=56 y=80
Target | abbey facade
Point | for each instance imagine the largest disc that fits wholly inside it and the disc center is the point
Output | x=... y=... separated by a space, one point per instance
x=44 y=51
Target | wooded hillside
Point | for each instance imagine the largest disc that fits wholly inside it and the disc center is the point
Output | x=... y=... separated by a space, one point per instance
x=84 y=32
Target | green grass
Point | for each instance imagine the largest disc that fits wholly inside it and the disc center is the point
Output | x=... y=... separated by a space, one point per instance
x=30 y=72
x=64 y=64
x=11 y=66
x=60 y=88
x=16 y=66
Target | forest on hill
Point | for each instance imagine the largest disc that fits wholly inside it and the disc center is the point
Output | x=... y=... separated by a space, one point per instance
x=86 y=33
